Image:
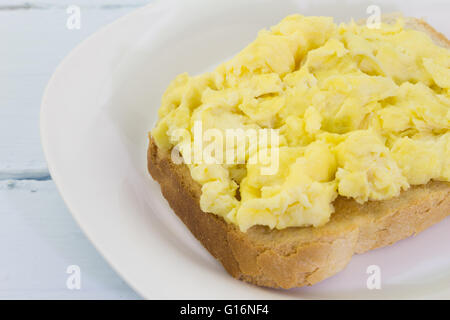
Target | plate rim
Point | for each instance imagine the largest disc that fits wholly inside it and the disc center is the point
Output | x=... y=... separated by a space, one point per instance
x=44 y=142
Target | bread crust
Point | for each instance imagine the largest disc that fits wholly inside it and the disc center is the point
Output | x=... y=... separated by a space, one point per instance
x=302 y=256
x=298 y=256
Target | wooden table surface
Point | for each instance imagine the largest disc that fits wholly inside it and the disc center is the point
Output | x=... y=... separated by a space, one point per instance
x=39 y=239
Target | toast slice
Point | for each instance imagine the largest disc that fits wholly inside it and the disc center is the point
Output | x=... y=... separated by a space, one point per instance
x=301 y=256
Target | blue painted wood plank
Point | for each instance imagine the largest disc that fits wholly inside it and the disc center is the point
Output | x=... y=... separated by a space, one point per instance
x=34 y=43
x=39 y=240
x=38 y=237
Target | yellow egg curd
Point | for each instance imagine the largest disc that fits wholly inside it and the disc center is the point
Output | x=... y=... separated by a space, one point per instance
x=361 y=112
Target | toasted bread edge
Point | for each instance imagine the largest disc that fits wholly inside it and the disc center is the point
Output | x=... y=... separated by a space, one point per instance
x=296 y=257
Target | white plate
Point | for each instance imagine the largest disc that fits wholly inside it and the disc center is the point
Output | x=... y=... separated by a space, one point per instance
x=95 y=115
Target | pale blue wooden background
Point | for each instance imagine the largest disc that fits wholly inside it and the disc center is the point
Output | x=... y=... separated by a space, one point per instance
x=38 y=237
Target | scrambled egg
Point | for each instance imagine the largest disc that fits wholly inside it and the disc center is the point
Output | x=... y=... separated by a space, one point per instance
x=362 y=113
